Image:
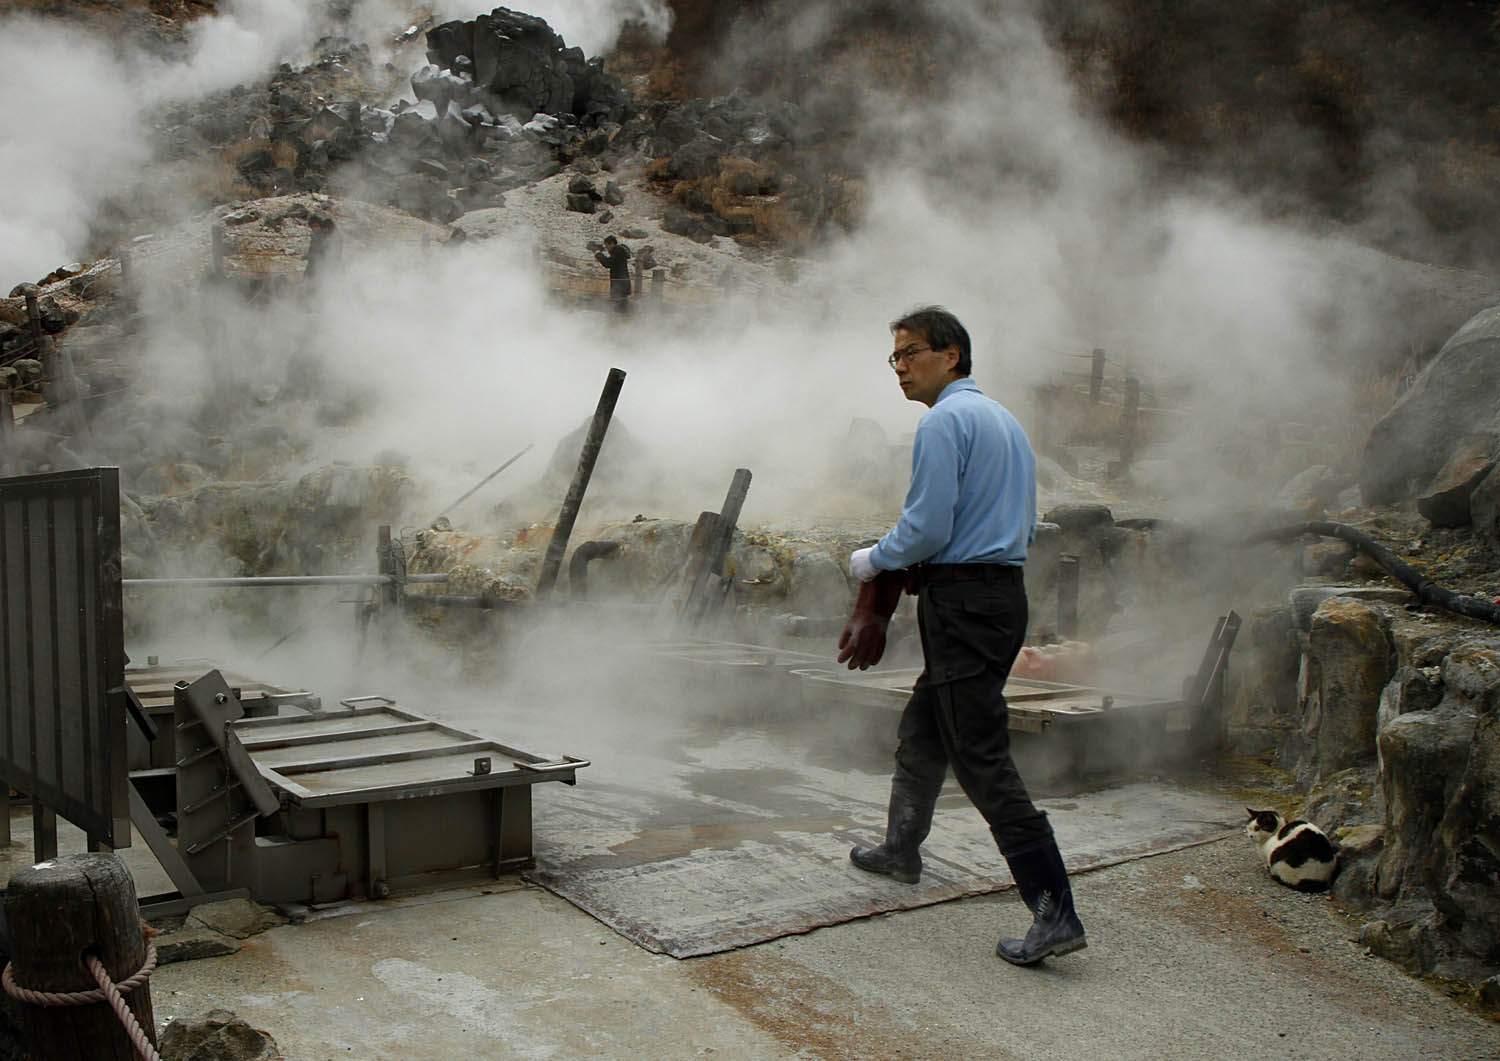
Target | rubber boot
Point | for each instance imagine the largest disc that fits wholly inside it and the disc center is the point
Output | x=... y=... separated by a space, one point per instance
x=1043 y=883
x=907 y=825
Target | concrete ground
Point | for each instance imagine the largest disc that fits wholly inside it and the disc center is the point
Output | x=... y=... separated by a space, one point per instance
x=1192 y=954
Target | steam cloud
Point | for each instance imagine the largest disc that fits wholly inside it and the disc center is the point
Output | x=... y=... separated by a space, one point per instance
x=1002 y=199
x=79 y=107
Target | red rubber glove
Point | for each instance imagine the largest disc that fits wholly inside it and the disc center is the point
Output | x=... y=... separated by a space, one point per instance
x=863 y=641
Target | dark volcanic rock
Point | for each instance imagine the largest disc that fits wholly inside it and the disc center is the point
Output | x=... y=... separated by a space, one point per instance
x=526 y=67
x=1446 y=427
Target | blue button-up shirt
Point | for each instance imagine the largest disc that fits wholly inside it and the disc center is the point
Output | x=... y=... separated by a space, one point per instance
x=973 y=487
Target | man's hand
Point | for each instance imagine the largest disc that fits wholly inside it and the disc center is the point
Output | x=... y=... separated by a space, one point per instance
x=863 y=641
x=860 y=566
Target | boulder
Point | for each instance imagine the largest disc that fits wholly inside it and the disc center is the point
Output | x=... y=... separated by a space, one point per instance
x=218 y=1035
x=414 y=134
x=1260 y=689
x=582 y=204
x=426 y=197
x=1466 y=866
x=526 y=67
x=239 y=918
x=1081 y=518
x=697 y=158
x=677 y=220
x=1310 y=492
x=1483 y=504
x=1343 y=672
x=440 y=86
x=454 y=130
x=1423 y=754
x=191 y=942
x=1359 y=859
x=1403 y=935
x=1451 y=411
x=818 y=584
x=1447 y=502
x=1410 y=689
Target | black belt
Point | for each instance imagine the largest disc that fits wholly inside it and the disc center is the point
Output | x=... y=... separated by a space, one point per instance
x=927 y=573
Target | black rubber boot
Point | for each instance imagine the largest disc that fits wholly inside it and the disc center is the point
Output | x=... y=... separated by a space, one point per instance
x=907 y=825
x=1043 y=884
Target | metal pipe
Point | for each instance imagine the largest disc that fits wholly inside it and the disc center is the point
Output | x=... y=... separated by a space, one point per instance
x=453 y=600
x=481 y=482
x=552 y=563
x=273 y=580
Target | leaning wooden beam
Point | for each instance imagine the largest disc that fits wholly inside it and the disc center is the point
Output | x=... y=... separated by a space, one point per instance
x=552 y=563
x=697 y=605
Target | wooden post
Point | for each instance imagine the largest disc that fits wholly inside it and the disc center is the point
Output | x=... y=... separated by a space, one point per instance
x=1067 y=596
x=1096 y=377
x=658 y=282
x=697 y=605
x=220 y=250
x=7 y=434
x=33 y=314
x=59 y=911
x=603 y=412
x=1042 y=403
x=640 y=278
x=43 y=831
x=1132 y=421
x=390 y=560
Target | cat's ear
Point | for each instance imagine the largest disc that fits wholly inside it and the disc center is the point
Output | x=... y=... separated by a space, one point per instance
x=1252 y=813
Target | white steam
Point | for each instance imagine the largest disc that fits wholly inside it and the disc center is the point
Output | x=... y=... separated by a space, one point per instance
x=1004 y=201
x=78 y=106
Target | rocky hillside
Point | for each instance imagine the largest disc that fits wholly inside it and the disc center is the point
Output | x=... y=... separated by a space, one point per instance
x=1381 y=116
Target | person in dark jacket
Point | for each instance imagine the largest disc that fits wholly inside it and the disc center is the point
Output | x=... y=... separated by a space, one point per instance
x=616 y=258
x=326 y=247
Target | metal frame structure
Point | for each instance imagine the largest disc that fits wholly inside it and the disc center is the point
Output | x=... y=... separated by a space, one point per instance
x=312 y=806
x=62 y=656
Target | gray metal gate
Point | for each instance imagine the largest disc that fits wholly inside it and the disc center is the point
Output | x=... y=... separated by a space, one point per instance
x=62 y=652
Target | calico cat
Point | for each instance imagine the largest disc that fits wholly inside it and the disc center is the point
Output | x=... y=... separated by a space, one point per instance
x=1297 y=853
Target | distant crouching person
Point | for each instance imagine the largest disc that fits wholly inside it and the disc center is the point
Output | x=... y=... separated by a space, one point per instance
x=616 y=258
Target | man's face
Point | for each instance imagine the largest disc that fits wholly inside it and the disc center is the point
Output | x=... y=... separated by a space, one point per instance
x=922 y=371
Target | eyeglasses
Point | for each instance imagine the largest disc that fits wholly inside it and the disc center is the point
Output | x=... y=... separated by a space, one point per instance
x=906 y=355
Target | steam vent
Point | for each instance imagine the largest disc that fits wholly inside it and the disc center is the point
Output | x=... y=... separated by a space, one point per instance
x=767 y=528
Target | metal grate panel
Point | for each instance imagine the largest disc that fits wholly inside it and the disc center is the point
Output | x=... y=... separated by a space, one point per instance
x=62 y=654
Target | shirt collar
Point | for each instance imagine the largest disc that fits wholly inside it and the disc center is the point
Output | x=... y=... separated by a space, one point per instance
x=963 y=383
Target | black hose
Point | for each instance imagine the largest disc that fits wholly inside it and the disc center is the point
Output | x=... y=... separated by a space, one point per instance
x=1430 y=592
x=578 y=567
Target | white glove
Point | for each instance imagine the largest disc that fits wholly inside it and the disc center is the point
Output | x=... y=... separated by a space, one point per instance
x=860 y=566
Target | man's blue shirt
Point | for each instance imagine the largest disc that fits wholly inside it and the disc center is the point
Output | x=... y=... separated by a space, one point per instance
x=973 y=487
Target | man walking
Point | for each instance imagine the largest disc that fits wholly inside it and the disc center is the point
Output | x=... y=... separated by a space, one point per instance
x=969 y=516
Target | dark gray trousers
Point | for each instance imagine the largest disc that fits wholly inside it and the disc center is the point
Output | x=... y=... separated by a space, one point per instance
x=971 y=633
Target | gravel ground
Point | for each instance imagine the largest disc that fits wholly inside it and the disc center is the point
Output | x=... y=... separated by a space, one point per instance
x=1193 y=954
